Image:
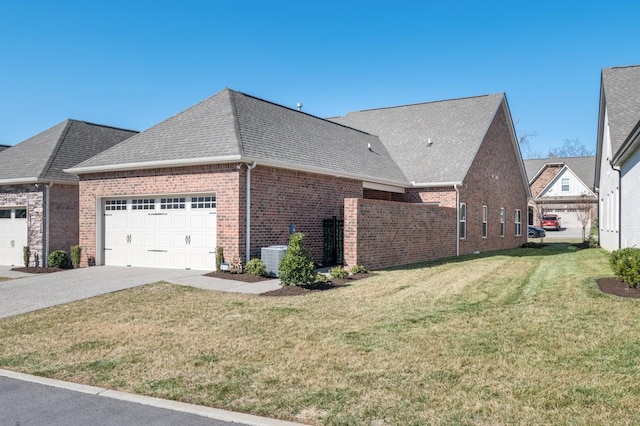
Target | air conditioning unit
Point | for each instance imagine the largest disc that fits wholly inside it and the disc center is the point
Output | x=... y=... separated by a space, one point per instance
x=272 y=256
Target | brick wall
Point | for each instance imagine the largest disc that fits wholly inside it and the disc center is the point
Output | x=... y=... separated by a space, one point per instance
x=547 y=175
x=494 y=179
x=380 y=234
x=223 y=179
x=63 y=213
x=445 y=196
x=280 y=198
x=32 y=197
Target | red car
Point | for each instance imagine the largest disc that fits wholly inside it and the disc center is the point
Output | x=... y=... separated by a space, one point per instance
x=550 y=221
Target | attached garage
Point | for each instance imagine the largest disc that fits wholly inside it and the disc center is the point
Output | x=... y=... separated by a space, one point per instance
x=13 y=235
x=172 y=231
x=569 y=218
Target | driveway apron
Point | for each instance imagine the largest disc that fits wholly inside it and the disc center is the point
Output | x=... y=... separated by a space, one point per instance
x=41 y=291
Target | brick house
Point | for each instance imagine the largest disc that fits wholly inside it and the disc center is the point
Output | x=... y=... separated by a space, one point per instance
x=38 y=200
x=435 y=180
x=562 y=186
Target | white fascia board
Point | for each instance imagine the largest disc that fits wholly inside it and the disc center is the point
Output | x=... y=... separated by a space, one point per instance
x=153 y=164
x=323 y=171
x=31 y=181
x=434 y=184
x=381 y=187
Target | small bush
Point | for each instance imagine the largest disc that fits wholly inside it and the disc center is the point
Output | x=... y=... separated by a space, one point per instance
x=219 y=257
x=256 y=267
x=76 y=255
x=338 y=272
x=26 y=254
x=58 y=259
x=626 y=265
x=358 y=269
x=321 y=278
x=296 y=266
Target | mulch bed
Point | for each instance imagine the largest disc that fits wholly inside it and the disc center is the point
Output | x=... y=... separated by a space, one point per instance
x=295 y=290
x=617 y=287
x=247 y=278
x=34 y=270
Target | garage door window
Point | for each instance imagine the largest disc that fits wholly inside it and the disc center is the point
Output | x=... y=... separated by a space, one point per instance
x=203 y=202
x=111 y=205
x=5 y=214
x=21 y=213
x=172 y=203
x=143 y=204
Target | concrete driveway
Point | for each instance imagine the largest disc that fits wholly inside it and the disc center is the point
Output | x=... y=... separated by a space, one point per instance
x=39 y=291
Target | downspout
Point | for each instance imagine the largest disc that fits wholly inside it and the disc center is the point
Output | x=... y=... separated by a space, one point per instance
x=248 y=221
x=47 y=198
x=457 y=220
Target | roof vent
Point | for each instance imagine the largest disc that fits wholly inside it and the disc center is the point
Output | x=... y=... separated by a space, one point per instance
x=429 y=142
x=299 y=106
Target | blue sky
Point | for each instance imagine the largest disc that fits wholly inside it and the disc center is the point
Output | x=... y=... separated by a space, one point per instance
x=134 y=63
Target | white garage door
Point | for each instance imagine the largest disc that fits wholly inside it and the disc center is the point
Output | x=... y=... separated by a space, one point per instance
x=569 y=218
x=13 y=235
x=164 y=232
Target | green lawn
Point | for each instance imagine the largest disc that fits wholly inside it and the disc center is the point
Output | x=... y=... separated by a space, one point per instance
x=514 y=337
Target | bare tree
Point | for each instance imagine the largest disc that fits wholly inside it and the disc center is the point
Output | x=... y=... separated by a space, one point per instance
x=571 y=148
x=584 y=212
x=525 y=146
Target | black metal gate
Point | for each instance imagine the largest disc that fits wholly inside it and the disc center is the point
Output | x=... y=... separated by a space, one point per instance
x=333 y=241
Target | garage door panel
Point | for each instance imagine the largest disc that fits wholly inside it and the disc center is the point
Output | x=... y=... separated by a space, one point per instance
x=180 y=235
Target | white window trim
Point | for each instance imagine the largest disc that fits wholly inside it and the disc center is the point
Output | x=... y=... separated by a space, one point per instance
x=463 y=221
x=485 y=224
x=518 y=222
x=502 y=215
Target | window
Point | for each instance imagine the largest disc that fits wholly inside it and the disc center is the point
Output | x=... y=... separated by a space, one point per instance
x=111 y=205
x=502 y=221
x=5 y=214
x=485 y=213
x=21 y=213
x=565 y=184
x=143 y=204
x=518 y=222
x=203 y=202
x=172 y=203
x=463 y=221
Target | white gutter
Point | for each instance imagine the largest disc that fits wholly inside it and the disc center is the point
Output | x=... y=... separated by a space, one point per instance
x=153 y=164
x=47 y=200
x=31 y=181
x=434 y=184
x=248 y=221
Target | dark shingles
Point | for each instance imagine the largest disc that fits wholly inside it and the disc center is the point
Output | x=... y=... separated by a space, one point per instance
x=47 y=154
x=431 y=142
x=583 y=167
x=622 y=96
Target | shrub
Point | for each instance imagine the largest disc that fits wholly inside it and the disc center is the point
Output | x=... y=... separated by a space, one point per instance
x=76 y=255
x=219 y=257
x=321 y=278
x=58 y=259
x=626 y=265
x=296 y=266
x=338 y=272
x=256 y=267
x=358 y=269
x=26 y=254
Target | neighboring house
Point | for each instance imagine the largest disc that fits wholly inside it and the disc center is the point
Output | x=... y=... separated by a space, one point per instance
x=412 y=183
x=38 y=201
x=564 y=187
x=617 y=177
x=3 y=147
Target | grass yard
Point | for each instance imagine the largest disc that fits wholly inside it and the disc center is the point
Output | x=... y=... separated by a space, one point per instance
x=515 y=337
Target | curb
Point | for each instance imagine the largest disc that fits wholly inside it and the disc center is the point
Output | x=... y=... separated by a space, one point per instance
x=199 y=410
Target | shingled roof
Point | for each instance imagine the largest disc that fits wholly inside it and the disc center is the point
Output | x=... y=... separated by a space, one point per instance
x=432 y=142
x=233 y=126
x=44 y=156
x=621 y=93
x=583 y=167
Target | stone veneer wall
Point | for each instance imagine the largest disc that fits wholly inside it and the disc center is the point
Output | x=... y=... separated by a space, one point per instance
x=31 y=197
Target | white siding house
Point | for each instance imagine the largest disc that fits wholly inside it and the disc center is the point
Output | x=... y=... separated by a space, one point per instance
x=617 y=178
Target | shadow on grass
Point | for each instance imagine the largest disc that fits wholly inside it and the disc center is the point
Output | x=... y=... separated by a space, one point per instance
x=549 y=249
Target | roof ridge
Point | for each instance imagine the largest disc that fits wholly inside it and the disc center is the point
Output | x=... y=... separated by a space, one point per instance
x=426 y=103
x=102 y=125
x=622 y=66
x=54 y=153
x=236 y=124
